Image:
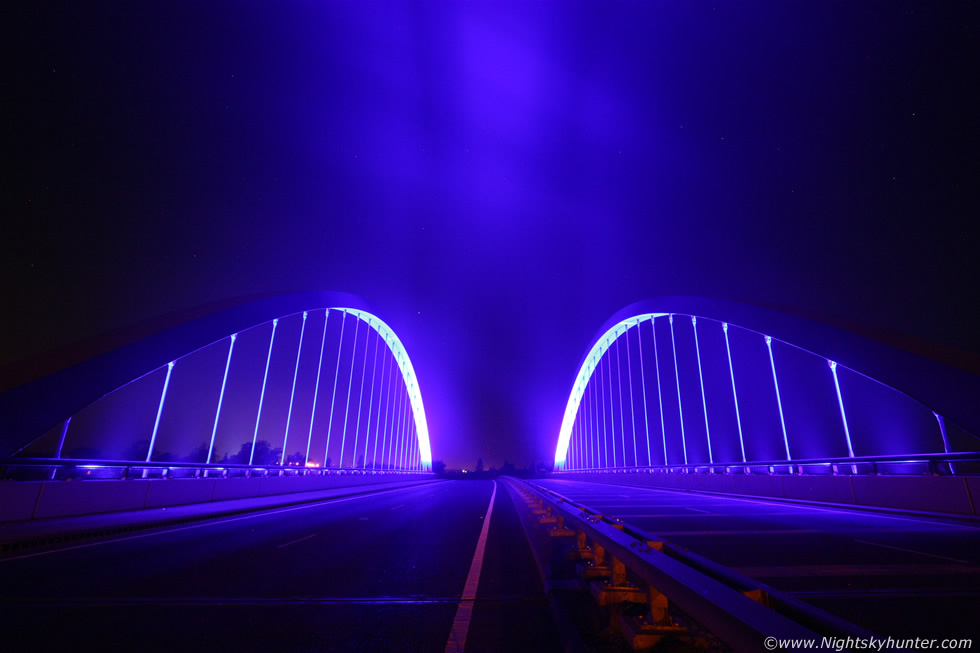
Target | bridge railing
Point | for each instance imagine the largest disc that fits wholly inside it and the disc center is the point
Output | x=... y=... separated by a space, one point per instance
x=942 y=464
x=43 y=469
x=621 y=564
x=680 y=392
x=326 y=388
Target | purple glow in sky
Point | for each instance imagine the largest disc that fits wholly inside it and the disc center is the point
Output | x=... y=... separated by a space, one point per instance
x=495 y=178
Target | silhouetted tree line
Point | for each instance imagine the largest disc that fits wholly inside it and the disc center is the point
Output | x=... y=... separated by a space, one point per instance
x=265 y=454
x=534 y=470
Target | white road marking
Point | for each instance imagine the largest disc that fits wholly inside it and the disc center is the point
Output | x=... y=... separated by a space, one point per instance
x=648 y=515
x=740 y=532
x=283 y=546
x=464 y=612
x=921 y=553
x=843 y=571
x=854 y=511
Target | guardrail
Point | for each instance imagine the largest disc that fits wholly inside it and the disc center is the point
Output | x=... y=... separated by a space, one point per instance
x=81 y=469
x=614 y=556
x=937 y=464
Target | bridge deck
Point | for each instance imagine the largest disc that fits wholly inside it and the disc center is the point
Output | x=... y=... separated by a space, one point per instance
x=371 y=572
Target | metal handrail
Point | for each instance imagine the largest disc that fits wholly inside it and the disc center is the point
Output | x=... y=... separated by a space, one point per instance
x=167 y=469
x=933 y=460
x=711 y=594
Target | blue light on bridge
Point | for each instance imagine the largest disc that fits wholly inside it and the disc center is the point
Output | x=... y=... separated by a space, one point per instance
x=643 y=386
x=316 y=388
x=629 y=370
x=221 y=396
x=779 y=401
x=586 y=439
x=156 y=422
x=374 y=376
x=704 y=401
x=292 y=392
x=840 y=401
x=677 y=379
x=283 y=392
x=350 y=383
x=333 y=397
x=265 y=378
x=731 y=371
x=660 y=398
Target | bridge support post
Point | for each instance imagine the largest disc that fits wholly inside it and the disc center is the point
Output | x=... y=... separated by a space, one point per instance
x=581 y=551
x=547 y=517
x=616 y=589
x=560 y=530
x=647 y=630
x=596 y=568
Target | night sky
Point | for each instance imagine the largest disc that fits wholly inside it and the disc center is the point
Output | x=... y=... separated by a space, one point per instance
x=495 y=178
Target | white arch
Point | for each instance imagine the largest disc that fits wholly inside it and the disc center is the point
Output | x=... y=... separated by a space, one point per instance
x=585 y=374
x=408 y=375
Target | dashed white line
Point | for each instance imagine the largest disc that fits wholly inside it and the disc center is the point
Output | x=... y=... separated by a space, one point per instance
x=921 y=553
x=283 y=546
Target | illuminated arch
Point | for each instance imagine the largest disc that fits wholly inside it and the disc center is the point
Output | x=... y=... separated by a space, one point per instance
x=30 y=410
x=949 y=392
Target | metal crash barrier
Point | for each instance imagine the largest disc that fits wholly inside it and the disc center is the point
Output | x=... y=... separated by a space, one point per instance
x=654 y=590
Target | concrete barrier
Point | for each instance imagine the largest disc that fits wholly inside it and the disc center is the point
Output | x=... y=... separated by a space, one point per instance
x=949 y=495
x=64 y=498
x=18 y=499
x=826 y=489
x=973 y=487
x=26 y=500
x=238 y=488
x=759 y=485
x=928 y=493
x=179 y=492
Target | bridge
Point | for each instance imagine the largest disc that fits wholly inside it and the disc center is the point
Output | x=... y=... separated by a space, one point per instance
x=723 y=474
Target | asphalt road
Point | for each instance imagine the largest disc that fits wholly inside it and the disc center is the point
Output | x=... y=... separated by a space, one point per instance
x=379 y=572
x=898 y=575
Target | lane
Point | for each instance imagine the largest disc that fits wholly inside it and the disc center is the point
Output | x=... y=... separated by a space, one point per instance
x=511 y=613
x=354 y=574
x=888 y=572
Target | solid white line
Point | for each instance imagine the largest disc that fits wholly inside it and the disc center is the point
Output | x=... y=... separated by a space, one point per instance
x=256 y=515
x=707 y=512
x=283 y=546
x=853 y=511
x=921 y=553
x=740 y=533
x=652 y=515
x=464 y=612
